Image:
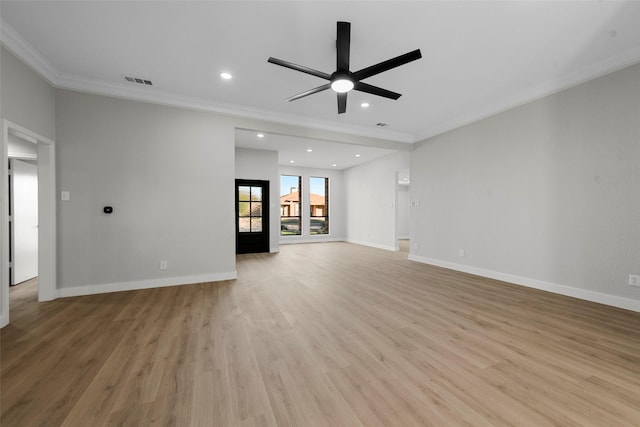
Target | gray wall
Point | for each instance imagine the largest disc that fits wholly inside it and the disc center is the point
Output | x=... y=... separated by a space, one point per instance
x=371 y=200
x=546 y=192
x=27 y=99
x=168 y=173
x=263 y=165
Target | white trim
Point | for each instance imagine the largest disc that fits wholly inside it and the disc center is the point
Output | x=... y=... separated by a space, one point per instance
x=540 y=91
x=99 y=87
x=293 y=240
x=4 y=229
x=144 y=284
x=34 y=59
x=46 y=217
x=23 y=50
x=372 y=245
x=612 y=300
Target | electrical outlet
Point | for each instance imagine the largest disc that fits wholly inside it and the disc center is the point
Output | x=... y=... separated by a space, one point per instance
x=634 y=280
x=163 y=265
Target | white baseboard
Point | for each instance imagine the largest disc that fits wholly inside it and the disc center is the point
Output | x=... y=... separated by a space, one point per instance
x=372 y=245
x=403 y=237
x=305 y=239
x=612 y=300
x=144 y=284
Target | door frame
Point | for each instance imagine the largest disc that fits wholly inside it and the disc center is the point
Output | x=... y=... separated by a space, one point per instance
x=46 y=216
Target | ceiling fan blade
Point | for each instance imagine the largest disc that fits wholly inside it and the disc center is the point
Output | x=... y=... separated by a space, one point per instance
x=375 y=90
x=342 y=102
x=343 y=43
x=387 y=65
x=300 y=68
x=309 y=92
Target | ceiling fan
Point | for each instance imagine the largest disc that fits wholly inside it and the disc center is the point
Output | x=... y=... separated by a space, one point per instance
x=343 y=80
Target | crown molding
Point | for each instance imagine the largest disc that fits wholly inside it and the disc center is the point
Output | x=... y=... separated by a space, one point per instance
x=550 y=87
x=23 y=50
x=146 y=94
x=15 y=43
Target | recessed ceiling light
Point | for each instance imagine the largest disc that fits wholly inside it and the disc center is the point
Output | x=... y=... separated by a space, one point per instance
x=260 y=135
x=365 y=105
x=226 y=76
x=309 y=150
x=292 y=161
x=357 y=155
x=334 y=165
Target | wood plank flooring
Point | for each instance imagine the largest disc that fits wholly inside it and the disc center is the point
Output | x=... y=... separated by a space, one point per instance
x=321 y=335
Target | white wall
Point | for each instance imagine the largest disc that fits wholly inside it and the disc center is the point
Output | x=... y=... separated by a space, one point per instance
x=371 y=200
x=336 y=204
x=168 y=173
x=544 y=195
x=263 y=165
x=25 y=220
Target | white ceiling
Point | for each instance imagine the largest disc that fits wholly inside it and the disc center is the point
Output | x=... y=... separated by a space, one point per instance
x=293 y=150
x=479 y=57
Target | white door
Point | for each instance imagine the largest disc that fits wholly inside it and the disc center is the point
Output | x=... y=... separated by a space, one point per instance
x=25 y=210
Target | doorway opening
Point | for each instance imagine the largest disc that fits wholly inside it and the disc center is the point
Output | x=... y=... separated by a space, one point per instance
x=402 y=211
x=23 y=210
x=44 y=162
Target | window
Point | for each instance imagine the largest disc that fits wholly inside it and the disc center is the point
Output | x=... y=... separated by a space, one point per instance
x=319 y=205
x=249 y=209
x=290 y=213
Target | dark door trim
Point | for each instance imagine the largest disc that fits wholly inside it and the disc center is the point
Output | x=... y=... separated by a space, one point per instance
x=253 y=241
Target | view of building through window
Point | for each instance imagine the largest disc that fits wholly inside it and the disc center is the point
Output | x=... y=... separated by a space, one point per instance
x=290 y=201
x=290 y=213
x=319 y=205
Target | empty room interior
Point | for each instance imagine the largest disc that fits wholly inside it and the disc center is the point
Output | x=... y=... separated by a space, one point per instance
x=313 y=213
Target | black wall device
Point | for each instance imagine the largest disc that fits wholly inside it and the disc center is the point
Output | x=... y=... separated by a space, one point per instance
x=107 y=209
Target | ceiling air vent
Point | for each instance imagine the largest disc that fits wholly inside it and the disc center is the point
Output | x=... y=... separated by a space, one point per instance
x=382 y=124
x=138 y=80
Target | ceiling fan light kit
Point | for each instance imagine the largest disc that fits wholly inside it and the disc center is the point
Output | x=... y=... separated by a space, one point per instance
x=343 y=80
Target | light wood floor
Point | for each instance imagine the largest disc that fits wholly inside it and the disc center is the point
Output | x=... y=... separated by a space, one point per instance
x=322 y=335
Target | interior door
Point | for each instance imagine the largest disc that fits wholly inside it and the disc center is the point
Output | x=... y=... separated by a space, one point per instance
x=25 y=221
x=252 y=216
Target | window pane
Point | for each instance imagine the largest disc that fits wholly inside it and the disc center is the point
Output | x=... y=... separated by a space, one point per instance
x=243 y=208
x=256 y=209
x=244 y=225
x=256 y=225
x=319 y=205
x=244 y=193
x=256 y=193
x=289 y=226
x=290 y=213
